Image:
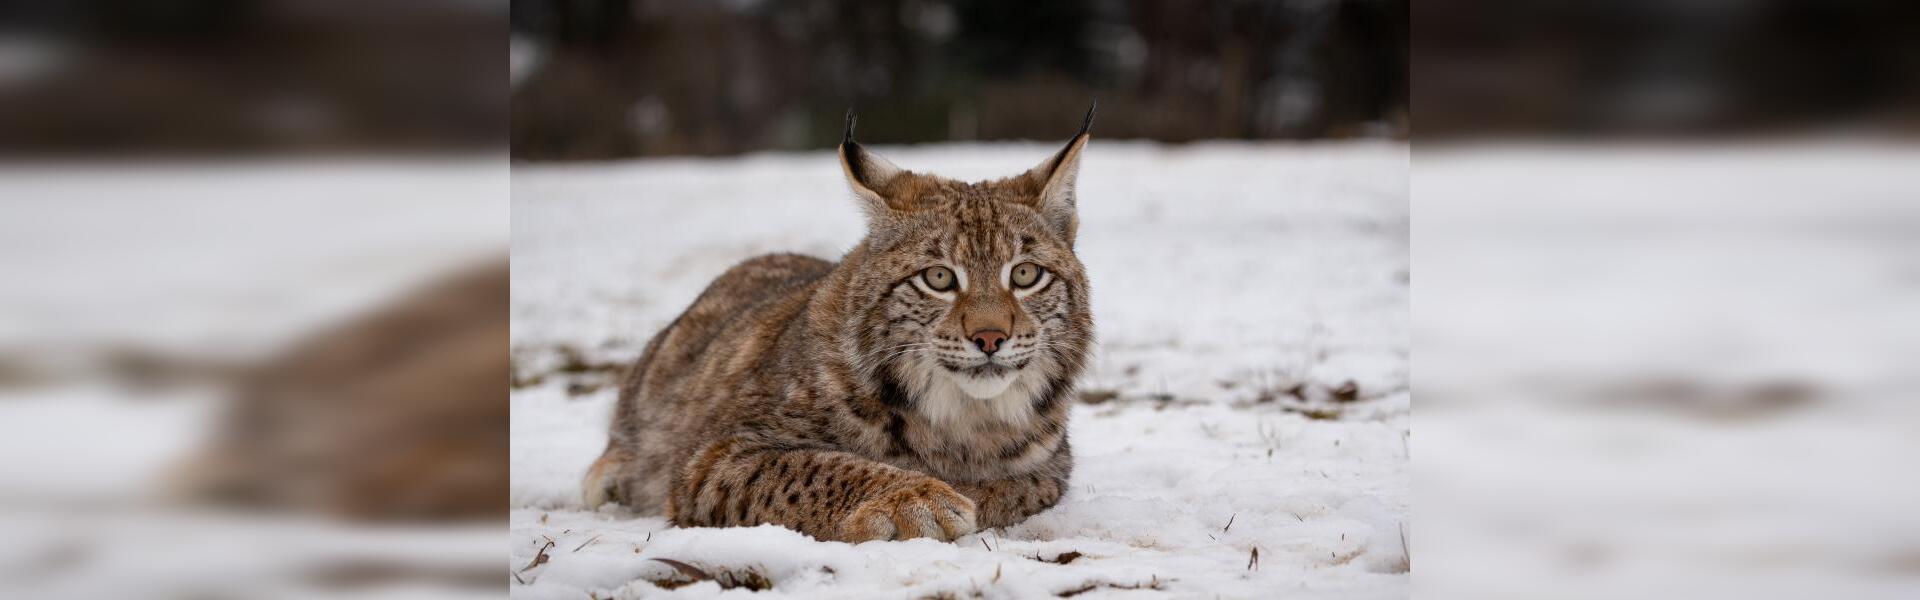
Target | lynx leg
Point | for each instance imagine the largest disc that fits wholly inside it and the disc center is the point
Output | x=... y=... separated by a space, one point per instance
x=829 y=495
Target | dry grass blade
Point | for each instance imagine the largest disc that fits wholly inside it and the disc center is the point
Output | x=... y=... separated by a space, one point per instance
x=1253 y=560
x=1097 y=396
x=1230 y=523
x=1406 y=554
x=688 y=570
x=587 y=543
x=1152 y=584
x=539 y=558
x=748 y=578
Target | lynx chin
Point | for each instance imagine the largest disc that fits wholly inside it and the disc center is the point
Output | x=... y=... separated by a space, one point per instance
x=919 y=387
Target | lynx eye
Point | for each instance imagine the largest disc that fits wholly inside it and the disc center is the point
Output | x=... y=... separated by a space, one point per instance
x=940 y=279
x=1026 y=274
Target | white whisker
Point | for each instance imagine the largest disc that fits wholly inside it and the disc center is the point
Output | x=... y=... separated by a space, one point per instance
x=874 y=359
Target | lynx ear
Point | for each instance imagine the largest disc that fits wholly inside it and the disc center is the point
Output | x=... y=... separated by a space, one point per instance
x=1054 y=180
x=867 y=173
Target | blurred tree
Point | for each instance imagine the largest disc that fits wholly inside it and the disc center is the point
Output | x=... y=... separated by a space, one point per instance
x=615 y=78
x=1658 y=67
x=222 y=77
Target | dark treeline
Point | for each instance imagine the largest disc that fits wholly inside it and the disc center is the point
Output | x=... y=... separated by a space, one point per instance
x=615 y=78
x=250 y=77
x=1663 y=68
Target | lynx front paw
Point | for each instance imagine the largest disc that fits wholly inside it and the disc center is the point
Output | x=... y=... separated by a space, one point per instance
x=600 y=487
x=925 y=508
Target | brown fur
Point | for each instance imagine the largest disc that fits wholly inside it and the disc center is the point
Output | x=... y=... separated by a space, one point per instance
x=398 y=414
x=829 y=398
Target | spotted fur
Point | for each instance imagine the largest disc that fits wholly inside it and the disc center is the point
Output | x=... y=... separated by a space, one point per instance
x=845 y=400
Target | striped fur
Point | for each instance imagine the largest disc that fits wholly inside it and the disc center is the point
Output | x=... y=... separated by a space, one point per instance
x=844 y=400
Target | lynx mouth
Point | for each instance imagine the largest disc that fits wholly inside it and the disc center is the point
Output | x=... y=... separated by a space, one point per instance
x=985 y=380
x=982 y=367
x=987 y=370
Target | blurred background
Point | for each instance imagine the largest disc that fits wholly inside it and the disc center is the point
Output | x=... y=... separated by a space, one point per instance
x=252 y=331
x=599 y=79
x=246 y=78
x=1664 y=68
x=1665 y=255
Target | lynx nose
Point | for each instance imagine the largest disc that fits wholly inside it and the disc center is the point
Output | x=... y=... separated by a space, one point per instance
x=988 y=340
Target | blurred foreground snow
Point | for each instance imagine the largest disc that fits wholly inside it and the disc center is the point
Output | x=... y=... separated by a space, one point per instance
x=1669 y=370
x=1249 y=392
x=141 y=294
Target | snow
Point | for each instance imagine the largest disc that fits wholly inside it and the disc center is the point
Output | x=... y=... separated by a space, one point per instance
x=1599 y=328
x=213 y=262
x=1237 y=289
x=220 y=260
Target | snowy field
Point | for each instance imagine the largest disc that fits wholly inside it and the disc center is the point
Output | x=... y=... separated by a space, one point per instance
x=214 y=263
x=1243 y=430
x=1668 y=370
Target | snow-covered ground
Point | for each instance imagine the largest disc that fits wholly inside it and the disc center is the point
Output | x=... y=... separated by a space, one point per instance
x=1250 y=392
x=218 y=264
x=1668 y=370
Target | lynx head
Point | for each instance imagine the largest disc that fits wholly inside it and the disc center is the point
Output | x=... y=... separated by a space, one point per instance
x=971 y=300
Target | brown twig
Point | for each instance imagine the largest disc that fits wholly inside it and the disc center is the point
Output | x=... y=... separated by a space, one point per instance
x=586 y=543
x=539 y=558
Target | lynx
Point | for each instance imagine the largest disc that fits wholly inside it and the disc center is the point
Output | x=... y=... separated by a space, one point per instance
x=918 y=388
x=395 y=415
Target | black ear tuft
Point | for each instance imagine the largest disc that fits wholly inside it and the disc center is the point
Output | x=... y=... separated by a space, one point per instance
x=854 y=155
x=847 y=138
x=1085 y=126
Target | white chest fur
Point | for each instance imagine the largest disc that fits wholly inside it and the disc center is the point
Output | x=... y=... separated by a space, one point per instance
x=958 y=402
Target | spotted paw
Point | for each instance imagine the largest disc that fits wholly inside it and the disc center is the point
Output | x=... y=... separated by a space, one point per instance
x=923 y=507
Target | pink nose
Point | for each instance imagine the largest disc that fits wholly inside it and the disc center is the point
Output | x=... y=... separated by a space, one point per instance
x=989 y=339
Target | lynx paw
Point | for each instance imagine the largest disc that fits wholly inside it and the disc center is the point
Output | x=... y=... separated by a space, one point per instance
x=928 y=508
x=599 y=488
